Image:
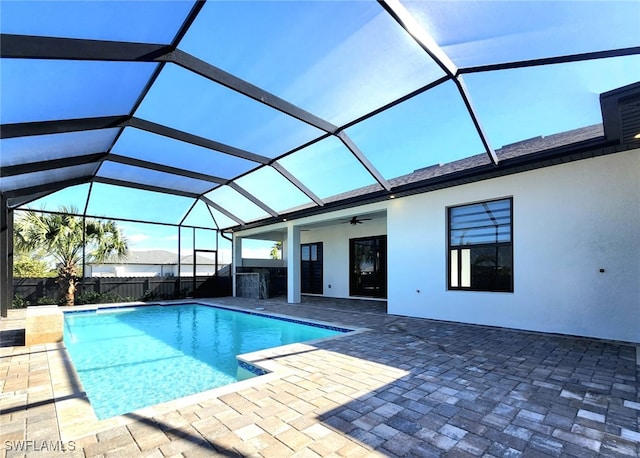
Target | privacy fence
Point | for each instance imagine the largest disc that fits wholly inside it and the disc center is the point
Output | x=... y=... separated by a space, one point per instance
x=32 y=291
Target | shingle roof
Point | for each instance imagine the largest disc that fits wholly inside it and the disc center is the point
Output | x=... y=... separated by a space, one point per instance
x=519 y=149
x=154 y=257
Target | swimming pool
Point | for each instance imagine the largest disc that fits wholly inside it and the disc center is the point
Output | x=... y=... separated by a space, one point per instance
x=134 y=357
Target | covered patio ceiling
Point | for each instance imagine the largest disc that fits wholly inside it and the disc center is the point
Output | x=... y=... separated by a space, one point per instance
x=219 y=113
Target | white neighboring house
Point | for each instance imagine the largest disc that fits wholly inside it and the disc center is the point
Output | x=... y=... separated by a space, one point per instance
x=153 y=263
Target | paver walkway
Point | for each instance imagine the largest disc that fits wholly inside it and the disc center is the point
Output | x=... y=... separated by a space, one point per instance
x=407 y=387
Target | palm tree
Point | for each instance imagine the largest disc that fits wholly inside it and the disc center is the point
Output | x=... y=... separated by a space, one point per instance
x=276 y=250
x=61 y=235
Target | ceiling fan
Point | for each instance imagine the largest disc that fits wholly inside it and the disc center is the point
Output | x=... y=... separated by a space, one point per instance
x=355 y=220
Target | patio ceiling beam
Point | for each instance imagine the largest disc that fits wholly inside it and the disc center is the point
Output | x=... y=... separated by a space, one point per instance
x=402 y=16
x=128 y=220
x=164 y=168
x=195 y=140
x=40 y=166
x=213 y=217
x=297 y=183
x=396 y=102
x=230 y=81
x=252 y=198
x=37 y=47
x=406 y=20
x=464 y=93
x=26 y=199
x=621 y=52
x=26 y=129
x=186 y=214
x=222 y=210
x=364 y=160
x=144 y=187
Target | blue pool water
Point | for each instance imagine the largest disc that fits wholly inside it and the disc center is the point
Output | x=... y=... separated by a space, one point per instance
x=129 y=358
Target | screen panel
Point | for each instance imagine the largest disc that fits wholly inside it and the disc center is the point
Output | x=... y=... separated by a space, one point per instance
x=199 y=215
x=274 y=190
x=73 y=196
x=189 y=102
x=431 y=128
x=136 y=204
x=156 y=240
x=206 y=240
x=37 y=148
x=540 y=101
x=144 y=22
x=222 y=221
x=489 y=32
x=45 y=90
x=327 y=158
x=27 y=180
x=144 y=176
x=348 y=52
x=147 y=146
x=236 y=204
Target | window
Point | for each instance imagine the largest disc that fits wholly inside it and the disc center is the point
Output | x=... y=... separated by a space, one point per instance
x=481 y=246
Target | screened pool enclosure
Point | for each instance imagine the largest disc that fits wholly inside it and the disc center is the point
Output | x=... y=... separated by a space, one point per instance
x=223 y=115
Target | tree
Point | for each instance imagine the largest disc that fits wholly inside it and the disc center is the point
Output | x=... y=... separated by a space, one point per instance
x=27 y=266
x=61 y=235
x=276 y=250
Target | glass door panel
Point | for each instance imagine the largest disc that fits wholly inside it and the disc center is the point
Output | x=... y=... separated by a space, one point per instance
x=311 y=268
x=368 y=267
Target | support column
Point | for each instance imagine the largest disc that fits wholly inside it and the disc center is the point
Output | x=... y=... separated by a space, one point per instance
x=236 y=260
x=6 y=256
x=293 y=264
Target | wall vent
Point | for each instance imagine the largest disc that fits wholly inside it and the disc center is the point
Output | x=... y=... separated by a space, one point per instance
x=630 y=119
x=621 y=114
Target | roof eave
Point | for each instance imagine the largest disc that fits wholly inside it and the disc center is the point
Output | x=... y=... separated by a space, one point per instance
x=569 y=153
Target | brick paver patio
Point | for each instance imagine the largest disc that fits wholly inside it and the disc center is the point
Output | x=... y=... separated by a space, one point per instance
x=405 y=387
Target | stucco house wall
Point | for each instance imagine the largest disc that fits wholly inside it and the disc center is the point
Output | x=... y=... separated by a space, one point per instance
x=569 y=221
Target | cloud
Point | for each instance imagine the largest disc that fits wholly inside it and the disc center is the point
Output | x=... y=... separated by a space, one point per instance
x=137 y=238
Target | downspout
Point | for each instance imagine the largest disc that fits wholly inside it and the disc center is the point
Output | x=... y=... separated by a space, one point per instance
x=195 y=263
x=230 y=239
x=84 y=251
x=84 y=238
x=217 y=248
x=179 y=257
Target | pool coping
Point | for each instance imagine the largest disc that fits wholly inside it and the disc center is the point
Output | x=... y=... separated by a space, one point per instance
x=75 y=414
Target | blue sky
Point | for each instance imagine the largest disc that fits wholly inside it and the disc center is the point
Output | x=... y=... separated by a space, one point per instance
x=337 y=60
